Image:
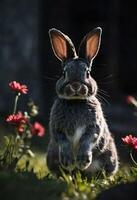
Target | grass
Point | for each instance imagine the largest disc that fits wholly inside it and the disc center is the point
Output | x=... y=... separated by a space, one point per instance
x=31 y=176
x=31 y=179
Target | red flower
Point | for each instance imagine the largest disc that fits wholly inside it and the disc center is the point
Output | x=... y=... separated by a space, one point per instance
x=131 y=141
x=17 y=87
x=38 y=129
x=21 y=128
x=19 y=120
x=131 y=100
x=16 y=118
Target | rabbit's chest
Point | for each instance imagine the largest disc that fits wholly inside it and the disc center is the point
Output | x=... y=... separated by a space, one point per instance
x=77 y=134
x=76 y=120
x=73 y=119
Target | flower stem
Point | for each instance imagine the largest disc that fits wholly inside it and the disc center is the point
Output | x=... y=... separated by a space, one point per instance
x=132 y=158
x=15 y=103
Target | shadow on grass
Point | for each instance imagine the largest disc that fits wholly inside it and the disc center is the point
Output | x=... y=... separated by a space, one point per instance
x=120 y=192
x=27 y=186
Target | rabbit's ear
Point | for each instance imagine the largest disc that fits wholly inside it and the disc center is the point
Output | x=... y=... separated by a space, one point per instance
x=62 y=45
x=90 y=44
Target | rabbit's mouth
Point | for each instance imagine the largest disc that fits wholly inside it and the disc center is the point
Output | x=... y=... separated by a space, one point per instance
x=75 y=90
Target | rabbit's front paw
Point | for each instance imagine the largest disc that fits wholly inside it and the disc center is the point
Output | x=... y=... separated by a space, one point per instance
x=67 y=160
x=84 y=159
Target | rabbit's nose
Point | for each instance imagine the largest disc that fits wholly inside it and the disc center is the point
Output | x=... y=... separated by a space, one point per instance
x=76 y=86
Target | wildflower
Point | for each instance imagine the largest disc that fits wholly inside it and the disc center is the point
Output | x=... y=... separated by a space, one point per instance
x=16 y=118
x=21 y=128
x=17 y=87
x=19 y=120
x=130 y=141
x=131 y=100
x=38 y=129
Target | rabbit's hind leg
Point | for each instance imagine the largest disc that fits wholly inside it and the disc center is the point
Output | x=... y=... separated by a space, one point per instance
x=106 y=160
x=53 y=158
x=109 y=159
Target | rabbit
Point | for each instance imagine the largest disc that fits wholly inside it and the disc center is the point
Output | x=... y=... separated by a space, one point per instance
x=79 y=135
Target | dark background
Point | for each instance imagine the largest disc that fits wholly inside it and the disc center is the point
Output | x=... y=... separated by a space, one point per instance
x=26 y=54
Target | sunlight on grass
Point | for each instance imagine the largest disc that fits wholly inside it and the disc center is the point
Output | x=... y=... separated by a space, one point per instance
x=36 y=164
x=69 y=187
x=78 y=188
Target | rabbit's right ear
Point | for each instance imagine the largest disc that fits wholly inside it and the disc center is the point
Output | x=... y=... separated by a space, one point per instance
x=90 y=45
x=62 y=45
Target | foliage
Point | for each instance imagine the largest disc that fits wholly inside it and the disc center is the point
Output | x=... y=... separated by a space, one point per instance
x=81 y=189
x=36 y=164
x=17 y=146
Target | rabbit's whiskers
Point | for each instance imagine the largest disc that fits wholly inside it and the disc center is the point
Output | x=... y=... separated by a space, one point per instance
x=103 y=92
x=50 y=78
x=105 y=80
x=100 y=97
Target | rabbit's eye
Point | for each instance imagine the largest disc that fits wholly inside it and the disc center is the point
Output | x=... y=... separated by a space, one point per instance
x=88 y=73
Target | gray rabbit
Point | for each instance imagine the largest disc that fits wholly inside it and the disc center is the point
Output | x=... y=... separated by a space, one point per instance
x=79 y=135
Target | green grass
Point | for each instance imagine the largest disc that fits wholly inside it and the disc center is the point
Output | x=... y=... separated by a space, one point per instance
x=31 y=179
x=31 y=176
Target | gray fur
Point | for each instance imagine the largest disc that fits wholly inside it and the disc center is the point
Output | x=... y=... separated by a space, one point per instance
x=77 y=111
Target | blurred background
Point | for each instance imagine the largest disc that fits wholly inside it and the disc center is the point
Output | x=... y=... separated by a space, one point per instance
x=26 y=55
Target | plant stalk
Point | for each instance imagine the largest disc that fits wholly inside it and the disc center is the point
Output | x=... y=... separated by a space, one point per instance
x=16 y=103
x=132 y=158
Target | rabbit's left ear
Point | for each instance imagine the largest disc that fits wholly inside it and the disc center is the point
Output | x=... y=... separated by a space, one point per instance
x=90 y=44
x=62 y=45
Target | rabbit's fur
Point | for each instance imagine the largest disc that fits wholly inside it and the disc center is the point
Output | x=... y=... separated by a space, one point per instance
x=79 y=135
